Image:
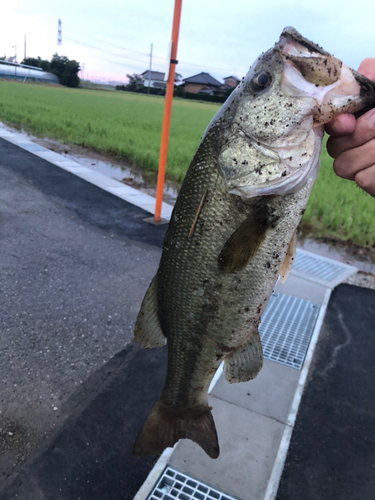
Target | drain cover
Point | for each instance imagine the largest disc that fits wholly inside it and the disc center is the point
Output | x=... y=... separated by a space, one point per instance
x=286 y=329
x=316 y=268
x=173 y=484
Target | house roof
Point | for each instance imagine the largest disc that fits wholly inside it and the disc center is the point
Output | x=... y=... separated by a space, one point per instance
x=231 y=76
x=204 y=79
x=154 y=75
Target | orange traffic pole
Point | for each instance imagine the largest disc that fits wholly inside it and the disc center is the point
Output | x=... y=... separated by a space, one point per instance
x=167 y=110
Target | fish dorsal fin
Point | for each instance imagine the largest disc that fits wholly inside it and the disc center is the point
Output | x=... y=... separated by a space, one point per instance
x=288 y=261
x=147 y=330
x=246 y=361
x=244 y=243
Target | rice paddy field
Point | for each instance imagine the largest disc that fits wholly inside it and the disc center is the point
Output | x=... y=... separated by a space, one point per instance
x=128 y=126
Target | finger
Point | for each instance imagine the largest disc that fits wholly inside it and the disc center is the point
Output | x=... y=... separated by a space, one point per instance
x=340 y=125
x=350 y=162
x=364 y=131
x=367 y=68
x=366 y=180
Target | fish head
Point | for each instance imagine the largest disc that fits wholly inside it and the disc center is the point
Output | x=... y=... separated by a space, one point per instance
x=273 y=143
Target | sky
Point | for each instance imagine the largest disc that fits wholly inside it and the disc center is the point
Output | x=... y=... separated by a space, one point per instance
x=111 y=39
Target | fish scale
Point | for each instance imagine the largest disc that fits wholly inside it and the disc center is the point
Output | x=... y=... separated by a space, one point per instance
x=209 y=316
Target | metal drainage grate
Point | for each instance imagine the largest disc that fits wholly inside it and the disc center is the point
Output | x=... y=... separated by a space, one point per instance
x=286 y=329
x=173 y=484
x=320 y=269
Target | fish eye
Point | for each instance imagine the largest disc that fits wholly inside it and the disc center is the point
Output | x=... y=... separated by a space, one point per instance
x=261 y=81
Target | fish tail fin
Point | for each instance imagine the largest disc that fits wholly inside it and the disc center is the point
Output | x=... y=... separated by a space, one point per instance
x=163 y=428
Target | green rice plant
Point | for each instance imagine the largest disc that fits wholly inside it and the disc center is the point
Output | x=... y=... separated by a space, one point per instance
x=118 y=123
x=338 y=209
x=129 y=126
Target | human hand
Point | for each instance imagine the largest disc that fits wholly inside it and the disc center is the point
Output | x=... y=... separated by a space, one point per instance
x=352 y=142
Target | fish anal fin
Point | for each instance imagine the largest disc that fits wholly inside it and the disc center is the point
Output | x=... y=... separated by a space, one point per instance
x=244 y=363
x=244 y=243
x=163 y=428
x=147 y=330
x=288 y=261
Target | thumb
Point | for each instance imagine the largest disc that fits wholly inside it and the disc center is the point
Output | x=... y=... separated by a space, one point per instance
x=367 y=68
x=341 y=125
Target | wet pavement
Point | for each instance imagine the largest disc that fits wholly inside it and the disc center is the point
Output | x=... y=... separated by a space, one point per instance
x=331 y=454
x=115 y=168
x=90 y=456
x=76 y=261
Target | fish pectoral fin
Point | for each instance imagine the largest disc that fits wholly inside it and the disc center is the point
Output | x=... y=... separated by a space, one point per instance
x=244 y=243
x=164 y=427
x=288 y=261
x=147 y=329
x=246 y=361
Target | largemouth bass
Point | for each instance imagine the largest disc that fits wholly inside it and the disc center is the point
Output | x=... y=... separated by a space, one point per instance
x=232 y=231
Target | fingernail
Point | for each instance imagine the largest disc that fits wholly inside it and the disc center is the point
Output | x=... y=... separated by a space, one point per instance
x=338 y=127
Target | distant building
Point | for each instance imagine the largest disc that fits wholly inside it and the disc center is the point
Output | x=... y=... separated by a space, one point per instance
x=154 y=79
x=203 y=83
x=231 y=81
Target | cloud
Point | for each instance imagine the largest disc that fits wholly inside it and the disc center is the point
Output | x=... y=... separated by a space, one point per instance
x=218 y=36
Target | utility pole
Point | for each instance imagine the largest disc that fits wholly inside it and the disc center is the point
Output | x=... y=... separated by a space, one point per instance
x=24 y=55
x=149 y=71
x=59 y=36
x=15 y=52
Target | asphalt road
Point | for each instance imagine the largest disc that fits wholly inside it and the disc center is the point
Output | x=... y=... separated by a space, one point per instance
x=75 y=264
x=331 y=454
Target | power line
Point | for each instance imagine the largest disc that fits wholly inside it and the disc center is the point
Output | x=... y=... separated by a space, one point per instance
x=161 y=59
x=124 y=65
x=102 y=50
x=142 y=62
x=117 y=54
x=108 y=43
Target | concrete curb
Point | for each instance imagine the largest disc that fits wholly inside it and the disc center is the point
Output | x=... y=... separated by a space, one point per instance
x=127 y=193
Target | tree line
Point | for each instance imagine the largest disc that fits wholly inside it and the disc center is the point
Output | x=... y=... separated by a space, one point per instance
x=65 y=69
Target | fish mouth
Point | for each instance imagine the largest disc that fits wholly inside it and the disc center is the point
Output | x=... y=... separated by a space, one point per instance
x=278 y=153
x=291 y=36
x=316 y=66
x=316 y=73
